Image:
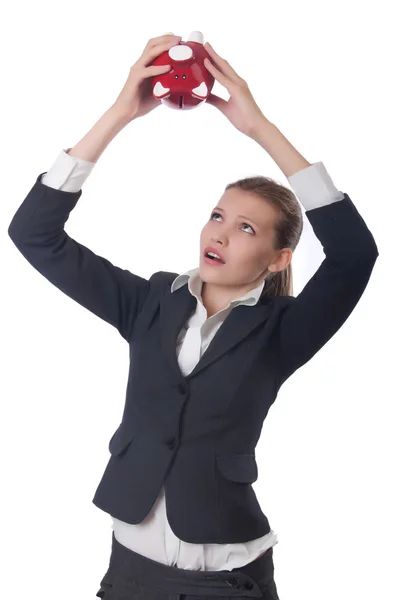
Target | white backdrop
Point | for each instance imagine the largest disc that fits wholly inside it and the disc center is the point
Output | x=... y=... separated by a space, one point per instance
x=324 y=74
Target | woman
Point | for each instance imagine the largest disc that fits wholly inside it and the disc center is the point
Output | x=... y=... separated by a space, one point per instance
x=191 y=430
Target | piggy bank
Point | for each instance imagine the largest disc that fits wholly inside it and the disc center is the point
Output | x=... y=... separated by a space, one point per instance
x=188 y=83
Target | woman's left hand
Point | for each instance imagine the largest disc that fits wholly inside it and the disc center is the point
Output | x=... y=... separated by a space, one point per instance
x=241 y=108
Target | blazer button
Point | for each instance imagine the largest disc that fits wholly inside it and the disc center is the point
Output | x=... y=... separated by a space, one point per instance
x=248 y=585
x=171 y=442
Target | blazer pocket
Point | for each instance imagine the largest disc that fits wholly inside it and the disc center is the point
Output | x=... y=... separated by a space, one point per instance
x=238 y=467
x=121 y=439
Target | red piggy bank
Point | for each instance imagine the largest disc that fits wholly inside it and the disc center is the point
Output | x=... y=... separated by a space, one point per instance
x=188 y=83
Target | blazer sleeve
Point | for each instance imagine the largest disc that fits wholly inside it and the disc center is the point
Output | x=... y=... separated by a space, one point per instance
x=37 y=229
x=329 y=297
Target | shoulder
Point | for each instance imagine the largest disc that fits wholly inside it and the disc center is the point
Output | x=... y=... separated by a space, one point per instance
x=162 y=280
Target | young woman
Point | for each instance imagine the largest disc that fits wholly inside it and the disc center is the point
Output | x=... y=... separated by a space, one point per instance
x=209 y=348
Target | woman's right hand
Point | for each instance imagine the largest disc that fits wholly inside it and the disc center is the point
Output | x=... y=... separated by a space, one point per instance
x=136 y=98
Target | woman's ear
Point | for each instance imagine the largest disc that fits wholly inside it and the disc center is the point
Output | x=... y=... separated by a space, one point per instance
x=283 y=260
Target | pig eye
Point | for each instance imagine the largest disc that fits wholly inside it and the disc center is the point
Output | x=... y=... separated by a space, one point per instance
x=176 y=76
x=183 y=76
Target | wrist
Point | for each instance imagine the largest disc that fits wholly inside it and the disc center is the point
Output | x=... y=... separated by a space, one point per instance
x=259 y=129
x=284 y=154
x=121 y=116
x=92 y=145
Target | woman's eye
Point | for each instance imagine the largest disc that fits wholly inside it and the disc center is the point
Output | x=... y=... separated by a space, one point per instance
x=215 y=213
x=249 y=226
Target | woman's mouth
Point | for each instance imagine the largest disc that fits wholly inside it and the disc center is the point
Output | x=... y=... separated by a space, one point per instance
x=213 y=261
x=212 y=256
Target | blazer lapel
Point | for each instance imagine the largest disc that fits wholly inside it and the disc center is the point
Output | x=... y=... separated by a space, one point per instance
x=175 y=310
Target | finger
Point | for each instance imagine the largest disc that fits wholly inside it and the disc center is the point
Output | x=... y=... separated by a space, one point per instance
x=155 y=70
x=219 y=76
x=162 y=38
x=222 y=64
x=217 y=101
x=151 y=52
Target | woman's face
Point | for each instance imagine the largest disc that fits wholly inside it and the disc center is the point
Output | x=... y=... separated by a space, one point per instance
x=245 y=242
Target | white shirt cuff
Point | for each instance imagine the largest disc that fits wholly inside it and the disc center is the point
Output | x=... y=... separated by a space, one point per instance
x=68 y=173
x=314 y=187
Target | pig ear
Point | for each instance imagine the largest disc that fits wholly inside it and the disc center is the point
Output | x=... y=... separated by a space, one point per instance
x=159 y=91
x=196 y=36
x=201 y=91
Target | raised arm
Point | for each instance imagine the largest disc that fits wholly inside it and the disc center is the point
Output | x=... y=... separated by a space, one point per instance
x=330 y=296
x=37 y=229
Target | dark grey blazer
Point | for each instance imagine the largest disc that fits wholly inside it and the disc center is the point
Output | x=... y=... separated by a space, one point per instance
x=196 y=434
